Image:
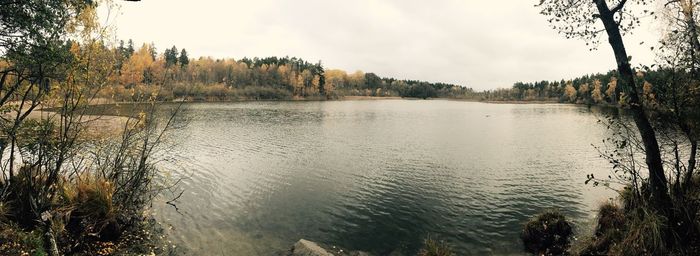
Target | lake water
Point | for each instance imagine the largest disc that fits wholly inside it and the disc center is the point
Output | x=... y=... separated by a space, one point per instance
x=377 y=176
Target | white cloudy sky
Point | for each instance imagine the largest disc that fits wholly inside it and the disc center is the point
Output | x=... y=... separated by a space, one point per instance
x=477 y=43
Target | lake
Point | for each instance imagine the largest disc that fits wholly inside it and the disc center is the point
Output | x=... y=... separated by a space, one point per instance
x=378 y=176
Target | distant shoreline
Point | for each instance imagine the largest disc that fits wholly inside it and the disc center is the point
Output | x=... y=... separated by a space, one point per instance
x=525 y=102
x=343 y=98
x=105 y=101
x=370 y=98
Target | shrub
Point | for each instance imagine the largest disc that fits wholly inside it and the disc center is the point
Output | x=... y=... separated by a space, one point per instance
x=610 y=218
x=433 y=247
x=548 y=233
x=263 y=93
x=610 y=230
x=21 y=194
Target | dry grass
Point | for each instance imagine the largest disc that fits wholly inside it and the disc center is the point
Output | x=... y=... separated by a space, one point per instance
x=4 y=212
x=610 y=230
x=94 y=198
x=92 y=211
x=627 y=232
x=644 y=237
x=433 y=247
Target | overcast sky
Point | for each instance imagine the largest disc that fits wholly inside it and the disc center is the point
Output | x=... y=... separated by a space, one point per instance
x=476 y=43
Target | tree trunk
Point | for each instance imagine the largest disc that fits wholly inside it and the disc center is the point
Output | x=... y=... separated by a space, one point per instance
x=50 y=240
x=660 y=198
x=689 y=17
x=687 y=8
x=691 y=164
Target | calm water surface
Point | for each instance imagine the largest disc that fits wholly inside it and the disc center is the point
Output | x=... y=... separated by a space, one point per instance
x=377 y=176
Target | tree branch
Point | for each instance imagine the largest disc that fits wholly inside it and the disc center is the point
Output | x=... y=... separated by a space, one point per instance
x=618 y=7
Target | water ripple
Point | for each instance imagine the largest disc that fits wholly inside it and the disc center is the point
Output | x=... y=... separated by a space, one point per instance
x=378 y=176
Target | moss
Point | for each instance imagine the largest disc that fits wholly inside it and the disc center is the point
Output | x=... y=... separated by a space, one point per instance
x=548 y=233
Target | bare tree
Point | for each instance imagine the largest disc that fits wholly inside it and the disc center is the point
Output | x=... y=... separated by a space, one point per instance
x=579 y=19
x=679 y=54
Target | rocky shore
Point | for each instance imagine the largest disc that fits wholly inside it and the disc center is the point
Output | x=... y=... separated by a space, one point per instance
x=308 y=248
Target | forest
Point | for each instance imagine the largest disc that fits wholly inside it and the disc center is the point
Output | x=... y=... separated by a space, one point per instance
x=599 y=88
x=140 y=72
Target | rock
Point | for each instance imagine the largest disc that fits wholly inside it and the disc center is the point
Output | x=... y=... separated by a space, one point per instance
x=308 y=248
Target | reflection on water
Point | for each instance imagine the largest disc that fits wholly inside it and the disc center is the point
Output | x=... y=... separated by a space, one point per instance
x=377 y=176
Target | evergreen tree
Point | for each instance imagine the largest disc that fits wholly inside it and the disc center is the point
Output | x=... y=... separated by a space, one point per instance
x=321 y=78
x=184 y=59
x=129 y=48
x=166 y=55
x=170 y=56
x=153 y=51
x=372 y=81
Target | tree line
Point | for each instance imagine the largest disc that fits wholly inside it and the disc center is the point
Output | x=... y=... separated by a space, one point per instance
x=139 y=72
x=593 y=89
x=598 y=88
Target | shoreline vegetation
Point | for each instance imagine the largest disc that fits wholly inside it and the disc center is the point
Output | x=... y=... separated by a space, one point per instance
x=652 y=150
x=71 y=182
